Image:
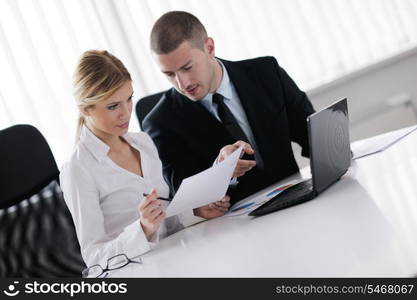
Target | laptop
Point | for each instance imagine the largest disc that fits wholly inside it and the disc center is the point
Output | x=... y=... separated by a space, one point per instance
x=330 y=158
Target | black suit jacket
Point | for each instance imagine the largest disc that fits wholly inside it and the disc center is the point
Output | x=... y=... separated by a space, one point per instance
x=189 y=137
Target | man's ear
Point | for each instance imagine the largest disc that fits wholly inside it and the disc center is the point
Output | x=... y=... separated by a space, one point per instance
x=209 y=46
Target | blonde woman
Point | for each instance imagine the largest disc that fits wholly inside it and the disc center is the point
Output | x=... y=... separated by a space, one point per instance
x=105 y=179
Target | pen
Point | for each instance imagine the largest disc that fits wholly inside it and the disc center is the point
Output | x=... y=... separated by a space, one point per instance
x=160 y=198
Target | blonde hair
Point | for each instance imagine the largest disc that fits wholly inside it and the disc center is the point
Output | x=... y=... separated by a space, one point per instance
x=97 y=76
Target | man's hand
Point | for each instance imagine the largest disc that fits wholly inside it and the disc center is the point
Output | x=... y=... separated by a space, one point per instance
x=213 y=210
x=242 y=165
x=151 y=214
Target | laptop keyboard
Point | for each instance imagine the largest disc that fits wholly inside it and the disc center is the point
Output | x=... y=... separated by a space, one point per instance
x=298 y=193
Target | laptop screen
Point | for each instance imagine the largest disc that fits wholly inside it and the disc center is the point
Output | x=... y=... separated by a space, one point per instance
x=329 y=140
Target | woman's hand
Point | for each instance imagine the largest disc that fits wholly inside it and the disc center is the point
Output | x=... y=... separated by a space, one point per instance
x=213 y=210
x=151 y=214
x=243 y=165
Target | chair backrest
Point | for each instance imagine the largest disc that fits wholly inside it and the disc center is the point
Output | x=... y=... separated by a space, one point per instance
x=37 y=234
x=38 y=238
x=27 y=164
x=145 y=105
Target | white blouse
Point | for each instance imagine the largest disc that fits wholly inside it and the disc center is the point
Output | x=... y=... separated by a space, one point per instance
x=103 y=198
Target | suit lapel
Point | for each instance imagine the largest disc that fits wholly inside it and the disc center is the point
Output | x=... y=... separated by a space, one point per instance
x=198 y=125
x=197 y=117
x=253 y=98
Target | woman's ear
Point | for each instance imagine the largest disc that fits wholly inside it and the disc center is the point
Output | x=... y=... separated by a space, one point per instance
x=86 y=111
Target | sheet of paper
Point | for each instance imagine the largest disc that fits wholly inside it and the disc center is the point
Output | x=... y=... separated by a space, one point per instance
x=379 y=143
x=245 y=206
x=205 y=187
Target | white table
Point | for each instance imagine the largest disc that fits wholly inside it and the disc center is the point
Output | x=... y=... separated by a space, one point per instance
x=364 y=225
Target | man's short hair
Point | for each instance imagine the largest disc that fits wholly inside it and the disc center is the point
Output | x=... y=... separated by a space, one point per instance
x=175 y=27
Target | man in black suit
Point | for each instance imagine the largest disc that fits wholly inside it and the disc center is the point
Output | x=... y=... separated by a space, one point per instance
x=214 y=103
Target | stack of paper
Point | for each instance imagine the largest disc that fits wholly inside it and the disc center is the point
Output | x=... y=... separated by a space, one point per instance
x=379 y=143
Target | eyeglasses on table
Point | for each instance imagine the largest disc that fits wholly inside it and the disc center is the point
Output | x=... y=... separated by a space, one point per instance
x=113 y=263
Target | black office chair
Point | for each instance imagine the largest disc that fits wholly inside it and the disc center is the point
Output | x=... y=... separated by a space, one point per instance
x=37 y=235
x=145 y=105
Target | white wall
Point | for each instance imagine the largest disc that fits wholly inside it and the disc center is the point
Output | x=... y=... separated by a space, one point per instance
x=377 y=97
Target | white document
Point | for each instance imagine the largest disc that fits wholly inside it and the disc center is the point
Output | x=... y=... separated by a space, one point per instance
x=245 y=206
x=205 y=187
x=379 y=143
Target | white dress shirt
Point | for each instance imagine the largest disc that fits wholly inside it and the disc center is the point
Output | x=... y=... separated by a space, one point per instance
x=103 y=198
x=232 y=101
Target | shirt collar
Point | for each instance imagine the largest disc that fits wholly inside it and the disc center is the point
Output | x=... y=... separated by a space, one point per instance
x=97 y=147
x=225 y=88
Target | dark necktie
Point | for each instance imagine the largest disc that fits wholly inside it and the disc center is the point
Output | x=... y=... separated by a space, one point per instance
x=228 y=120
